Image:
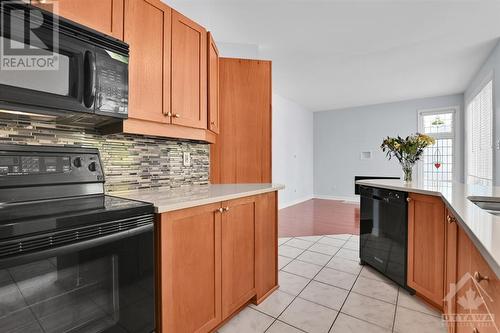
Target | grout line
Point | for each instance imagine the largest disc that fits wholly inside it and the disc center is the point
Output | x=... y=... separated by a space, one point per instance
x=395 y=311
x=308 y=283
x=275 y=319
x=294 y=296
x=345 y=300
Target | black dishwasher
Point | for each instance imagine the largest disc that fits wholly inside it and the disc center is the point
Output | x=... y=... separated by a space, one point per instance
x=383 y=232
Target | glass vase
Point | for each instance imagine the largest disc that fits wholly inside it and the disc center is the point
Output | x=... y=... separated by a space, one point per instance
x=408 y=173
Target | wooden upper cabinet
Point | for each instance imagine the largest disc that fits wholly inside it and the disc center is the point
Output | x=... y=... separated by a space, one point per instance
x=147 y=31
x=213 y=85
x=105 y=16
x=242 y=153
x=238 y=254
x=189 y=72
x=426 y=247
x=190 y=261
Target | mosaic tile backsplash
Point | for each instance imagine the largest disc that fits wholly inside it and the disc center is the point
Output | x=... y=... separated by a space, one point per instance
x=130 y=161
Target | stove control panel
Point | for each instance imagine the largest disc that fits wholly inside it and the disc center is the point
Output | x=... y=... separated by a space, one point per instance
x=50 y=164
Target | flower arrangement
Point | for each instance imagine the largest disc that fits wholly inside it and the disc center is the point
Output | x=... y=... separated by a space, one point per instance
x=408 y=150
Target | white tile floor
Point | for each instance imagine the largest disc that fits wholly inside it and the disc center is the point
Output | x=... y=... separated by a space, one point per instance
x=323 y=289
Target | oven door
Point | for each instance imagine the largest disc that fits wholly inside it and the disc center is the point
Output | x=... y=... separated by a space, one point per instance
x=53 y=70
x=101 y=285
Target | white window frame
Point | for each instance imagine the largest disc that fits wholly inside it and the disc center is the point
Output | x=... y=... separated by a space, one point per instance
x=455 y=111
x=468 y=99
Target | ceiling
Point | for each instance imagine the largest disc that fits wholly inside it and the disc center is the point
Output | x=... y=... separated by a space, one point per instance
x=333 y=54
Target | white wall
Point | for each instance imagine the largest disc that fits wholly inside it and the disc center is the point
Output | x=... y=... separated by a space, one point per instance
x=292 y=138
x=341 y=135
x=490 y=67
x=237 y=50
x=292 y=151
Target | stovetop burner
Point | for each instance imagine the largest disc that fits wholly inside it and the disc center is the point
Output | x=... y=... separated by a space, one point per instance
x=19 y=219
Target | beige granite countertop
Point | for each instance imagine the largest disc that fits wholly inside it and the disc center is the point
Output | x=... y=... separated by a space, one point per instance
x=482 y=227
x=167 y=199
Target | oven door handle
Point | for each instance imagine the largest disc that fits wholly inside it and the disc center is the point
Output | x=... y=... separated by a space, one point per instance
x=75 y=247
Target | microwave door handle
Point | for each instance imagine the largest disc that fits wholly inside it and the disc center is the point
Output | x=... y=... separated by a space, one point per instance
x=90 y=79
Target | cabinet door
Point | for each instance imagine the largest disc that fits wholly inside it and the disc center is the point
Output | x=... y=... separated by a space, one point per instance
x=213 y=85
x=105 y=16
x=487 y=291
x=242 y=153
x=189 y=72
x=266 y=245
x=478 y=290
x=451 y=269
x=464 y=259
x=238 y=254
x=426 y=245
x=190 y=259
x=147 y=31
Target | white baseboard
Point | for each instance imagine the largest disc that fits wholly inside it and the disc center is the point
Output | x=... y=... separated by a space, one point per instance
x=353 y=199
x=294 y=202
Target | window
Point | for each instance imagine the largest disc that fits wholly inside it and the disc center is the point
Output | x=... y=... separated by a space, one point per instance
x=480 y=136
x=437 y=164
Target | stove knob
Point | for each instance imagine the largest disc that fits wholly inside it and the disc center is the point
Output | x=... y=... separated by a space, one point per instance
x=77 y=162
x=92 y=167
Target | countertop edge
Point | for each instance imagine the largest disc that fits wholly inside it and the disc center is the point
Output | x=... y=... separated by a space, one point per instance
x=208 y=201
x=477 y=243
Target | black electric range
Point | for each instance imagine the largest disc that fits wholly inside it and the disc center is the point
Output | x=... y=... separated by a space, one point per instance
x=71 y=257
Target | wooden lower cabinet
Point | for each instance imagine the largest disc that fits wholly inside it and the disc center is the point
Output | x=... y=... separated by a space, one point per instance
x=487 y=289
x=190 y=261
x=238 y=254
x=426 y=247
x=214 y=259
x=448 y=271
x=464 y=248
x=266 y=246
x=472 y=289
x=449 y=305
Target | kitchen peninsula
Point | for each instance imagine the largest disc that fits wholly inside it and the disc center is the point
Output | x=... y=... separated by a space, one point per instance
x=453 y=242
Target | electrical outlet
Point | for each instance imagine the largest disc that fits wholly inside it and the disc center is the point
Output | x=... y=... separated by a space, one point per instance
x=186 y=159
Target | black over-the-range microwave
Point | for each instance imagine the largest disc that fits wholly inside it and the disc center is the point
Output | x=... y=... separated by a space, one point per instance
x=57 y=68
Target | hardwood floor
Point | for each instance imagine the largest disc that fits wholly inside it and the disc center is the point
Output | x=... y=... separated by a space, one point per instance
x=319 y=217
